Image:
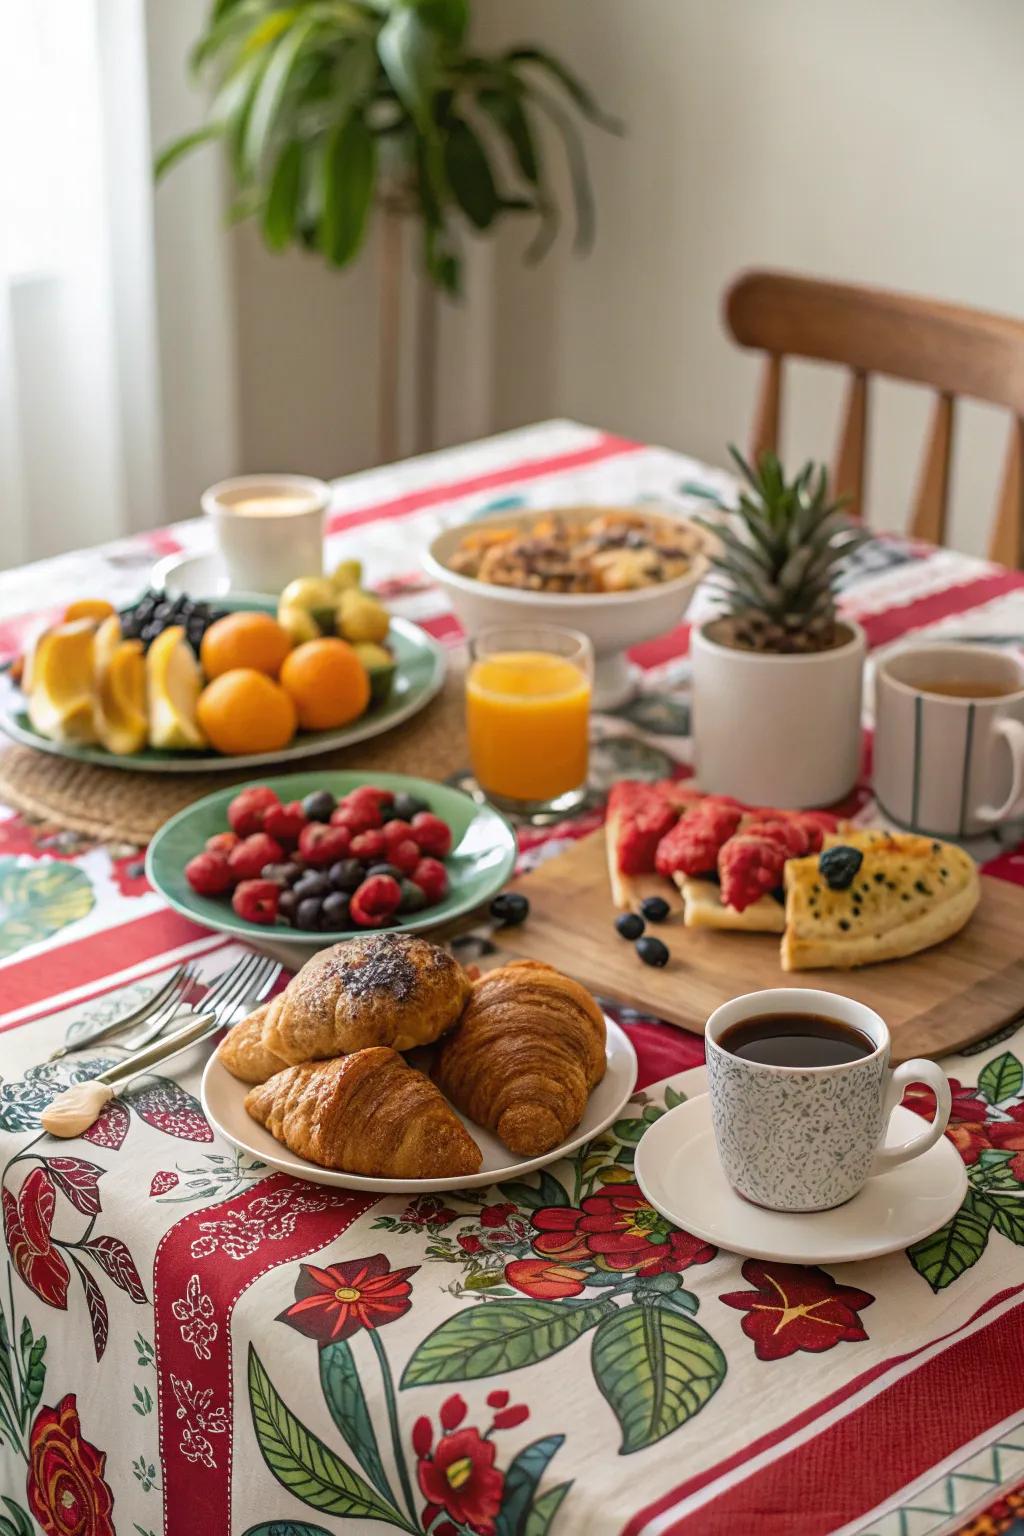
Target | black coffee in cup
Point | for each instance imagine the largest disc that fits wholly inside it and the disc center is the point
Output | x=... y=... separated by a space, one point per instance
x=795 y=1040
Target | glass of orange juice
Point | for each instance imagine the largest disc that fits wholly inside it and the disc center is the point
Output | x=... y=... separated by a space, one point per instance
x=527 y=715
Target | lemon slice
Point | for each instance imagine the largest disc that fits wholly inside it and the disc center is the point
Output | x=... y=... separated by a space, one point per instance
x=62 y=694
x=174 y=681
x=121 y=719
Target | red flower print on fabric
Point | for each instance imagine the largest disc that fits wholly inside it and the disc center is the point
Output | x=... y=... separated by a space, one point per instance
x=793 y=1307
x=458 y=1477
x=27 y=1223
x=619 y=1230
x=1008 y=1136
x=544 y=1279
x=337 y=1301
x=967 y=1105
x=67 y=1492
x=428 y=1211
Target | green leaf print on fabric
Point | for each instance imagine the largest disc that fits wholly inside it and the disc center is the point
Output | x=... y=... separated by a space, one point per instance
x=499 y=1336
x=541 y=1517
x=38 y=899
x=521 y=1481
x=343 y=1393
x=656 y=1368
x=1001 y=1078
x=16 y=1522
x=303 y=1464
x=943 y=1257
x=1008 y=1216
x=286 y=1528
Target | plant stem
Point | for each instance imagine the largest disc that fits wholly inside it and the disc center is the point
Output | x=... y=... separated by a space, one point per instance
x=16 y=1346
x=396 y=1440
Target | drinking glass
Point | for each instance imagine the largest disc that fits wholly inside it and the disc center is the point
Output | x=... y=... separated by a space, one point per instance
x=527 y=717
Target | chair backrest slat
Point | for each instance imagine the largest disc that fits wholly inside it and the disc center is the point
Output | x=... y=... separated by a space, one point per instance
x=954 y=350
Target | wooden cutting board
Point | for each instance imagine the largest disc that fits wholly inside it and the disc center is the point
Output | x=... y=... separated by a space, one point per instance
x=934 y=1002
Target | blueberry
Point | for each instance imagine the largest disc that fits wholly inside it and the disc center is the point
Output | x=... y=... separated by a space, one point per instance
x=510 y=909
x=334 y=912
x=652 y=951
x=405 y=807
x=319 y=805
x=384 y=869
x=413 y=899
x=307 y=914
x=310 y=885
x=630 y=925
x=287 y=902
x=346 y=875
x=278 y=872
x=839 y=866
x=655 y=909
x=292 y=871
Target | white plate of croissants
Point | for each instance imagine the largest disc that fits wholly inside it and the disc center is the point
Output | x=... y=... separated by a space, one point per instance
x=506 y=1073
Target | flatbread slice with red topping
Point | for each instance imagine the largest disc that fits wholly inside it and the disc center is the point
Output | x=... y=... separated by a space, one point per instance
x=903 y=894
x=639 y=815
x=703 y=907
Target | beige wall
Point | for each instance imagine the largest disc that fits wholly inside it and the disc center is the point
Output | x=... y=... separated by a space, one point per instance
x=859 y=139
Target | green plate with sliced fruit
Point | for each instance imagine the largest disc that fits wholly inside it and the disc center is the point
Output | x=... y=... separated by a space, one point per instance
x=313 y=858
x=403 y=678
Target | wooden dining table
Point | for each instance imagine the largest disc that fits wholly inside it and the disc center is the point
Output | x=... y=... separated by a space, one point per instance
x=192 y=1343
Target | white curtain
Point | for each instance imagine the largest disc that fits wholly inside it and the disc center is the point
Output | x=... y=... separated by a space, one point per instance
x=79 y=395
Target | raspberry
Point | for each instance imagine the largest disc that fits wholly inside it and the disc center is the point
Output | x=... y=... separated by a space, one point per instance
x=404 y=856
x=256 y=901
x=321 y=844
x=222 y=842
x=247 y=860
x=432 y=880
x=285 y=822
x=362 y=817
x=432 y=834
x=209 y=873
x=245 y=813
x=369 y=794
x=375 y=902
x=397 y=831
x=368 y=845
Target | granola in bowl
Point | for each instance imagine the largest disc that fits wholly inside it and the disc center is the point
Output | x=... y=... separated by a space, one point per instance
x=579 y=549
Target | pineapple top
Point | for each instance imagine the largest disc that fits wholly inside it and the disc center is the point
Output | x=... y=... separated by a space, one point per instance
x=780 y=559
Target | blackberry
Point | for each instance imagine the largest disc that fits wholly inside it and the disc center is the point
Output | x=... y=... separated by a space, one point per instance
x=840 y=865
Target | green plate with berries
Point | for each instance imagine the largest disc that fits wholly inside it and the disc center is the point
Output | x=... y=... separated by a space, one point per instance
x=349 y=889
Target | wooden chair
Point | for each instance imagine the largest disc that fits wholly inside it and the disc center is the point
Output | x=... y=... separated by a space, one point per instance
x=954 y=351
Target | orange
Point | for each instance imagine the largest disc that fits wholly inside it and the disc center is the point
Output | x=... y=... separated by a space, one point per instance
x=244 y=640
x=245 y=711
x=328 y=683
x=88 y=608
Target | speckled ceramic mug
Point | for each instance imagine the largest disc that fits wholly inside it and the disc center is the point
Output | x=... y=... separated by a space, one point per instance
x=807 y=1138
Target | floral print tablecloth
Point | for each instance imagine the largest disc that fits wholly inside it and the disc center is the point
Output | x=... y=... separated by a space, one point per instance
x=191 y=1343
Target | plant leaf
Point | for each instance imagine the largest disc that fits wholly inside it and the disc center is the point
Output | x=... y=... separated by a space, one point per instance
x=469 y=173
x=541 y=1517
x=350 y=168
x=583 y=196
x=114 y=1258
x=272 y=90
x=282 y=205
x=78 y=1182
x=302 y=1463
x=178 y=148
x=656 y=1368
x=1001 y=1078
x=506 y=111
x=570 y=83
x=407 y=48
x=498 y=1336
x=521 y=1480
x=943 y=1257
x=346 y=1403
x=97 y=1309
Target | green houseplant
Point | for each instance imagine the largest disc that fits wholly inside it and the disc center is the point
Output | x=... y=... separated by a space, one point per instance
x=330 y=109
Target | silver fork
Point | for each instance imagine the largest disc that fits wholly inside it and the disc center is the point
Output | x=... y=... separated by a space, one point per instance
x=163 y=1002
x=253 y=975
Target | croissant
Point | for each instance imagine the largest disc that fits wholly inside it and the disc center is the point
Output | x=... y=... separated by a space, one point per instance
x=386 y=989
x=243 y=1052
x=525 y=1056
x=368 y=1113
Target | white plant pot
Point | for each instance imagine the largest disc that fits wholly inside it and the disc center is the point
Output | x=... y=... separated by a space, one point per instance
x=777 y=730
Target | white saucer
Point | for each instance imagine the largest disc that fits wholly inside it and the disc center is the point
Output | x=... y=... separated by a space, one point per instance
x=677 y=1168
x=223 y=1099
x=199 y=576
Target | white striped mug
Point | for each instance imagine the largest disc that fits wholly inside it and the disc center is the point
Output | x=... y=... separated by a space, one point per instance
x=949 y=763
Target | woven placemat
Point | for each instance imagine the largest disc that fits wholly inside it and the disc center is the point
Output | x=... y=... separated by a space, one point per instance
x=111 y=805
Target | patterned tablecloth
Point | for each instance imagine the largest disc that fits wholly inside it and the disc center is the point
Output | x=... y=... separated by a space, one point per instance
x=191 y=1345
